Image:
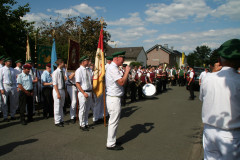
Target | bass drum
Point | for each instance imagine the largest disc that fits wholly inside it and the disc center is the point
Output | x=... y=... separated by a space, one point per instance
x=149 y=90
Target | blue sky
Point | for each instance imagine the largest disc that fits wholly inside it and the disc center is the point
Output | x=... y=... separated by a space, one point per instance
x=183 y=24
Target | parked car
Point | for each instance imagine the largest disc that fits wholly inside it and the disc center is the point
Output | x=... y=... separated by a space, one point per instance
x=198 y=71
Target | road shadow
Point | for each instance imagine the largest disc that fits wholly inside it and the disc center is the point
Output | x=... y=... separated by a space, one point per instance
x=135 y=131
x=9 y=147
x=196 y=136
x=128 y=111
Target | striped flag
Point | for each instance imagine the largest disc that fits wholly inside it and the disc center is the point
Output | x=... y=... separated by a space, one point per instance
x=28 y=53
x=53 y=55
x=99 y=71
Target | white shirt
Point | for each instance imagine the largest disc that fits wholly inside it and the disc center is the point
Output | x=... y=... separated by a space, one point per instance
x=58 y=79
x=18 y=70
x=73 y=80
x=220 y=93
x=202 y=76
x=191 y=74
x=5 y=77
x=106 y=66
x=81 y=77
x=112 y=86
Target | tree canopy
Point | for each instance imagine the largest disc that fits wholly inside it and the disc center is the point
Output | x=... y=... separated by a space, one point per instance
x=199 y=57
x=13 y=29
x=81 y=29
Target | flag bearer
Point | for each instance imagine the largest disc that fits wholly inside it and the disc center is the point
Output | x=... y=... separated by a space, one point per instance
x=58 y=78
x=8 y=87
x=114 y=88
x=47 y=90
x=25 y=85
x=84 y=84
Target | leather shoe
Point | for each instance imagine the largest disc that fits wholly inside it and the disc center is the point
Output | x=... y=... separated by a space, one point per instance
x=23 y=122
x=84 y=128
x=5 y=120
x=13 y=118
x=115 y=148
x=59 y=125
x=73 y=121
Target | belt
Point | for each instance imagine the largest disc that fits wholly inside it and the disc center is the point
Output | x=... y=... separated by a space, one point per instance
x=8 y=84
x=115 y=96
x=87 y=90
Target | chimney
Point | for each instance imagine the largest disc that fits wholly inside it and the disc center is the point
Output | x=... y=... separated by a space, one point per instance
x=172 y=48
x=166 y=45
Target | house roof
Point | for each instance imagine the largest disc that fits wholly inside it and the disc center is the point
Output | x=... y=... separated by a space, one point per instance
x=167 y=50
x=177 y=53
x=131 y=52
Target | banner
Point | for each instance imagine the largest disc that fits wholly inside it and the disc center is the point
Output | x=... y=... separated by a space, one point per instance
x=73 y=55
x=53 y=56
x=28 y=54
x=99 y=71
x=44 y=56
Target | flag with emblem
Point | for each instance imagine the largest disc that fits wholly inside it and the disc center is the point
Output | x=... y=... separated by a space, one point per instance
x=28 y=54
x=43 y=56
x=99 y=71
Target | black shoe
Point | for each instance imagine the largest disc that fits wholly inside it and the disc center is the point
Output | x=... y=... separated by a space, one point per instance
x=119 y=143
x=73 y=121
x=59 y=125
x=191 y=99
x=89 y=127
x=84 y=128
x=30 y=120
x=23 y=122
x=5 y=120
x=13 y=118
x=115 y=148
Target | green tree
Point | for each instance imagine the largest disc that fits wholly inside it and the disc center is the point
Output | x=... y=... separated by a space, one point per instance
x=203 y=54
x=82 y=29
x=13 y=29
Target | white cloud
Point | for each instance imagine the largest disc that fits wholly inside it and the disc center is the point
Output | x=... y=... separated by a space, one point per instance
x=188 y=41
x=85 y=9
x=178 y=10
x=101 y=8
x=35 y=17
x=230 y=9
x=129 y=35
x=133 y=20
x=67 y=12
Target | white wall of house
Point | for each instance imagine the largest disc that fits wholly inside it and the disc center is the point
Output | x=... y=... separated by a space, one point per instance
x=142 y=58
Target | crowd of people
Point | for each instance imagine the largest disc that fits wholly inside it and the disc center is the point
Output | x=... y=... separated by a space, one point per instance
x=219 y=92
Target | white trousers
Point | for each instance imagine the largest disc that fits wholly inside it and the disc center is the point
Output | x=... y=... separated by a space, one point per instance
x=11 y=93
x=84 y=107
x=72 y=91
x=219 y=144
x=58 y=105
x=114 y=110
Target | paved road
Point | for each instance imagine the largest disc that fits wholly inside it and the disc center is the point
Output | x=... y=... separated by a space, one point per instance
x=166 y=127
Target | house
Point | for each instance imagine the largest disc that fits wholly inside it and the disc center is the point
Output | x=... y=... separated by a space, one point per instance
x=133 y=54
x=161 y=54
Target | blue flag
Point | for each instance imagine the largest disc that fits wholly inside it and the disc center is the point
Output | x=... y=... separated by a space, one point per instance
x=53 y=56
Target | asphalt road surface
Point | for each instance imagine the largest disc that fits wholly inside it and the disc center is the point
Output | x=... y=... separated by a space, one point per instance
x=165 y=127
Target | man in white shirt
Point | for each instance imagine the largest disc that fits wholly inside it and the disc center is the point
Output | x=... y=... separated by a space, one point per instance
x=72 y=91
x=202 y=76
x=220 y=93
x=114 y=92
x=8 y=87
x=58 y=79
x=18 y=70
x=191 y=83
x=1 y=65
x=109 y=61
x=84 y=84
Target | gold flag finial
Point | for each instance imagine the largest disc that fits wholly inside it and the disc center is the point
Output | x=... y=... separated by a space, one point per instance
x=101 y=20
